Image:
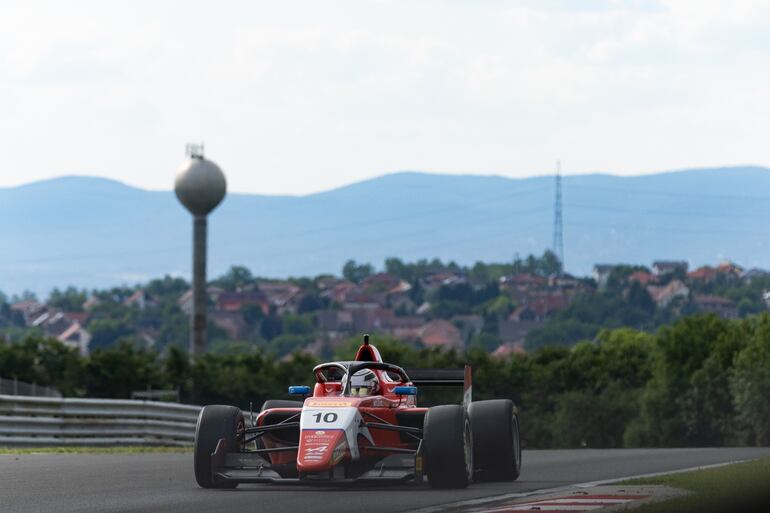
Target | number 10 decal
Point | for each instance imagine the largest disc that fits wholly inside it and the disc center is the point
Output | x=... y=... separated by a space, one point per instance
x=328 y=418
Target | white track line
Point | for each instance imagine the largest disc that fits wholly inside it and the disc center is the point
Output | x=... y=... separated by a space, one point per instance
x=519 y=495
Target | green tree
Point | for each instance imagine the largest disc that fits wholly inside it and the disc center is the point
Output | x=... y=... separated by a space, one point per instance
x=271 y=327
x=236 y=278
x=675 y=407
x=486 y=341
x=356 y=272
x=168 y=287
x=42 y=361
x=120 y=370
x=252 y=314
x=297 y=324
x=750 y=385
x=106 y=332
x=69 y=299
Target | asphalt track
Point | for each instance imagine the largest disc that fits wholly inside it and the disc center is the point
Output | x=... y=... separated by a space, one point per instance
x=164 y=482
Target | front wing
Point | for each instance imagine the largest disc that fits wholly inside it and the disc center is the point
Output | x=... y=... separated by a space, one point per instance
x=251 y=467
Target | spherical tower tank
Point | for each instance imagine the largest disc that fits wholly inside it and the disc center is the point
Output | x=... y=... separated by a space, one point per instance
x=200 y=185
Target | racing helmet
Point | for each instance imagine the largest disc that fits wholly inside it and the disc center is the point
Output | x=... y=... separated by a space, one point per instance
x=364 y=383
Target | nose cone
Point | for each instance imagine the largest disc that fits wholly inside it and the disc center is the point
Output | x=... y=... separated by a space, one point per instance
x=320 y=450
x=200 y=186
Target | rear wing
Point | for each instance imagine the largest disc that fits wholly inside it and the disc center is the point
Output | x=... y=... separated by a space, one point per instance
x=444 y=378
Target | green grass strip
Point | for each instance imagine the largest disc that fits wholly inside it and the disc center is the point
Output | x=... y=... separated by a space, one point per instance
x=728 y=488
x=95 y=450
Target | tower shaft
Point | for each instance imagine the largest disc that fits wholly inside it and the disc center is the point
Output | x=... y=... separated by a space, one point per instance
x=558 y=224
x=198 y=319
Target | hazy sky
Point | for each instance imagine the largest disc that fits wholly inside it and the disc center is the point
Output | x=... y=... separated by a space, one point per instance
x=301 y=96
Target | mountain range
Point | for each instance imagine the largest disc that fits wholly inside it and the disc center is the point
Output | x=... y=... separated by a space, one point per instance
x=94 y=232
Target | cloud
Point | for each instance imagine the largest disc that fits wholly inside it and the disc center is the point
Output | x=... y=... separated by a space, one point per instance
x=302 y=97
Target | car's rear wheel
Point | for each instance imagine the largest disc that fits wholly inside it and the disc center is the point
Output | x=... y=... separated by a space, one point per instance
x=216 y=422
x=496 y=441
x=448 y=447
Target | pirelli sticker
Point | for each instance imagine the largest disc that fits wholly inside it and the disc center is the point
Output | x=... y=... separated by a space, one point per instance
x=328 y=404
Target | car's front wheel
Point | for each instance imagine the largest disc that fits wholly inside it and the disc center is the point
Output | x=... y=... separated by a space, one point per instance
x=448 y=447
x=216 y=422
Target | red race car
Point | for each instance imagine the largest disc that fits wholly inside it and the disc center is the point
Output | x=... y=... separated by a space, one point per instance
x=361 y=423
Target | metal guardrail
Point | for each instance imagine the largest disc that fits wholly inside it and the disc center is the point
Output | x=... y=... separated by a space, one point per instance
x=50 y=421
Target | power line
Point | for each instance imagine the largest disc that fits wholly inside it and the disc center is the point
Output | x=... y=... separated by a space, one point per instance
x=310 y=231
x=650 y=211
x=670 y=193
x=672 y=229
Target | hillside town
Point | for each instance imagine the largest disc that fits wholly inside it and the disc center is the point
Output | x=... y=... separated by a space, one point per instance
x=503 y=308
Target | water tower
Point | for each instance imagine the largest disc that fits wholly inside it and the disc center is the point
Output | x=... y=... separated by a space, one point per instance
x=200 y=186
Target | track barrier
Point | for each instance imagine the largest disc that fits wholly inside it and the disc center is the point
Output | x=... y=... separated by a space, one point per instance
x=53 y=422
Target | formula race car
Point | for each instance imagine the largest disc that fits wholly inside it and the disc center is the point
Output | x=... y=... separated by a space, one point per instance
x=361 y=423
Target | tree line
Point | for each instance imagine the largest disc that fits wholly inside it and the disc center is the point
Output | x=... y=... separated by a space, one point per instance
x=700 y=381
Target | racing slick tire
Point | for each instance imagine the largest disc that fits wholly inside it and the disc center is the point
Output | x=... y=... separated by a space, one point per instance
x=496 y=441
x=214 y=423
x=448 y=447
x=280 y=403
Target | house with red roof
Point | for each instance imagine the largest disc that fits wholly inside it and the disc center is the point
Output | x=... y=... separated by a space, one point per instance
x=720 y=306
x=441 y=333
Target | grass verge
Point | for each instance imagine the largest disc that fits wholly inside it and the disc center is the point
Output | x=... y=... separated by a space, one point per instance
x=738 y=487
x=95 y=450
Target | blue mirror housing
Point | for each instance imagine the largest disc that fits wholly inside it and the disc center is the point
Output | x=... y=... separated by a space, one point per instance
x=299 y=390
x=405 y=390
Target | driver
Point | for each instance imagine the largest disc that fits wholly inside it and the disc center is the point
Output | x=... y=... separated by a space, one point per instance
x=364 y=383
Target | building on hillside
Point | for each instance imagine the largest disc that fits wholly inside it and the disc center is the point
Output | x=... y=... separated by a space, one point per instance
x=704 y=274
x=335 y=321
x=360 y=300
x=523 y=281
x=406 y=327
x=141 y=299
x=67 y=327
x=328 y=282
x=91 y=303
x=643 y=278
x=383 y=282
x=185 y=301
x=29 y=310
x=469 y=325
x=398 y=297
x=539 y=307
x=76 y=336
x=434 y=280
x=283 y=296
x=567 y=283
x=441 y=333
x=720 y=306
x=52 y=322
x=664 y=295
x=513 y=332
x=730 y=269
x=505 y=351
x=231 y=323
x=375 y=320
x=755 y=274
x=235 y=301
x=335 y=289
x=601 y=273
x=664 y=267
